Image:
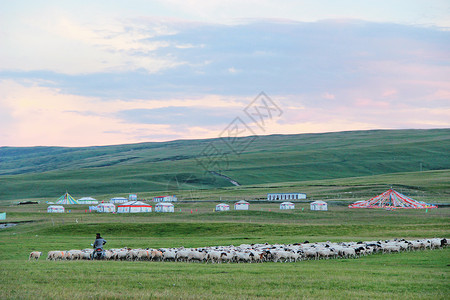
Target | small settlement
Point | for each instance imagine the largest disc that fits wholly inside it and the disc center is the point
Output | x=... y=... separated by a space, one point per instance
x=390 y=199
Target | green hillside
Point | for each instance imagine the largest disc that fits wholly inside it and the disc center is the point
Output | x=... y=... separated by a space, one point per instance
x=169 y=166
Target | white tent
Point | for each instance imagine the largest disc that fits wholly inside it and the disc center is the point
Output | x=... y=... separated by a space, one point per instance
x=106 y=208
x=222 y=207
x=55 y=209
x=87 y=200
x=287 y=205
x=134 y=207
x=319 y=205
x=118 y=200
x=241 y=205
x=164 y=207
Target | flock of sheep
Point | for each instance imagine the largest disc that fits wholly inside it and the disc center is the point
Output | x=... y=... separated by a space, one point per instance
x=253 y=253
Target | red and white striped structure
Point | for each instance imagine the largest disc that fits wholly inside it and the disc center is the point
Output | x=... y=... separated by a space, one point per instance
x=391 y=199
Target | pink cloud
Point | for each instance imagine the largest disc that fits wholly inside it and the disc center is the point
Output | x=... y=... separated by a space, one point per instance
x=46 y=116
x=328 y=96
x=369 y=103
x=35 y=115
x=441 y=95
x=389 y=92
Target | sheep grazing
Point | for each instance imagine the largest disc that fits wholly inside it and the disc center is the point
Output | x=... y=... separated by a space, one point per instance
x=35 y=255
x=169 y=255
x=254 y=253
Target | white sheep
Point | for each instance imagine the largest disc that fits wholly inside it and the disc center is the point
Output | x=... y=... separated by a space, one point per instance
x=144 y=254
x=214 y=256
x=169 y=255
x=35 y=255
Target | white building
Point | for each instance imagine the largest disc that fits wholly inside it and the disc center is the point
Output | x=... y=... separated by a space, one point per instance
x=55 y=209
x=285 y=196
x=241 y=205
x=319 y=205
x=170 y=198
x=164 y=207
x=134 y=207
x=117 y=200
x=287 y=205
x=106 y=208
x=87 y=200
x=132 y=197
x=222 y=207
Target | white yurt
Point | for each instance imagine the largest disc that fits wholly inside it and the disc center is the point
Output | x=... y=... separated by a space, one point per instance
x=87 y=200
x=164 y=207
x=287 y=205
x=106 y=208
x=241 y=205
x=117 y=200
x=222 y=207
x=134 y=207
x=55 y=209
x=319 y=205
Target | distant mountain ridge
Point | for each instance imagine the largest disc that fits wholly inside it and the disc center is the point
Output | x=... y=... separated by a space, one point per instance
x=164 y=166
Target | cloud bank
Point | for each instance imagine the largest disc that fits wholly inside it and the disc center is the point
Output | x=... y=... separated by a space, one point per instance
x=154 y=79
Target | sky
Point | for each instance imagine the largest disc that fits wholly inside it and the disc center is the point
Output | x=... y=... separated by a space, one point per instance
x=85 y=73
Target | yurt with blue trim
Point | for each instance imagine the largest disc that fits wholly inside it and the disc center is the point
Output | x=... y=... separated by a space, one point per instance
x=222 y=207
x=117 y=200
x=165 y=207
x=55 y=209
x=87 y=200
x=241 y=205
x=318 y=205
x=106 y=208
x=287 y=205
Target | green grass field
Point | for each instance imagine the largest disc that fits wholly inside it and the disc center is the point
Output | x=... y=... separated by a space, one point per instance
x=412 y=275
x=337 y=167
x=418 y=275
x=173 y=166
x=428 y=186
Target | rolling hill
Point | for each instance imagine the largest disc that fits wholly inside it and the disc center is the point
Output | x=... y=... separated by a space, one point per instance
x=30 y=172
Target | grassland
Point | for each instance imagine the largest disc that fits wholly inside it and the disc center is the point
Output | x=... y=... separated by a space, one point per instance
x=414 y=275
x=428 y=186
x=419 y=275
x=337 y=167
x=173 y=166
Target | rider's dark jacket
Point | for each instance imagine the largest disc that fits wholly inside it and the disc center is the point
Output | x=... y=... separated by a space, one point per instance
x=99 y=243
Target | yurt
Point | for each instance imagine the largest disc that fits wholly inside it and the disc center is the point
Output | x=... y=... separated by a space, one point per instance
x=87 y=200
x=106 y=208
x=241 y=205
x=134 y=207
x=55 y=209
x=132 y=197
x=164 y=207
x=117 y=200
x=319 y=205
x=222 y=207
x=287 y=205
x=66 y=199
